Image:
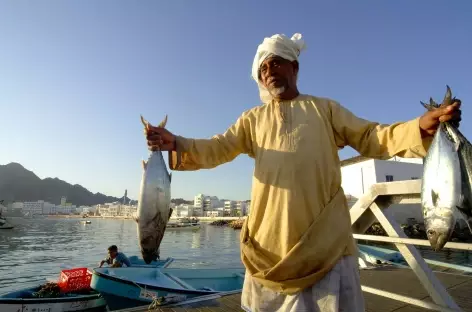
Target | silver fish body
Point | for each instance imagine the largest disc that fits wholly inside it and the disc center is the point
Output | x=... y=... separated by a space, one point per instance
x=154 y=204
x=442 y=188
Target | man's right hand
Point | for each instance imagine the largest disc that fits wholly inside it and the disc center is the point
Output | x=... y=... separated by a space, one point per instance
x=159 y=139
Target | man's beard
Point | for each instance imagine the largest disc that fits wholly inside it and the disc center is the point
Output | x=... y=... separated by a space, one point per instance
x=275 y=92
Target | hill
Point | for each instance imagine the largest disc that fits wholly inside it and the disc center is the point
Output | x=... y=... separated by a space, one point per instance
x=20 y=184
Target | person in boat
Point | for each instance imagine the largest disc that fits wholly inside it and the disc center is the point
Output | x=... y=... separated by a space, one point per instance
x=115 y=258
x=297 y=245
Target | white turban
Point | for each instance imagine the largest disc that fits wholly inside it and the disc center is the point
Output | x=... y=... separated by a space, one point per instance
x=279 y=45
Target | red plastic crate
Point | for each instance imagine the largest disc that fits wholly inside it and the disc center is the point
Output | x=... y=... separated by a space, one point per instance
x=75 y=279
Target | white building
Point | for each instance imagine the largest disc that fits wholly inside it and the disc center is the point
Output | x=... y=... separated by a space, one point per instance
x=85 y=209
x=128 y=210
x=230 y=208
x=216 y=212
x=241 y=209
x=65 y=209
x=37 y=208
x=359 y=173
x=17 y=206
x=116 y=209
x=206 y=202
x=184 y=210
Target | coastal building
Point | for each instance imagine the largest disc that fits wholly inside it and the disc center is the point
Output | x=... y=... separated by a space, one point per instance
x=360 y=173
x=37 y=208
x=128 y=210
x=241 y=209
x=205 y=205
x=230 y=208
x=206 y=202
x=216 y=212
x=116 y=209
x=185 y=210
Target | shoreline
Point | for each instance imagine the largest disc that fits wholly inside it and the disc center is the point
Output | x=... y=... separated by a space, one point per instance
x=201 y=219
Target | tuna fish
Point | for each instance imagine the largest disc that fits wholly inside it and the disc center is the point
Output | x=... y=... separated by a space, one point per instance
x=154 y=203
x=445 y=191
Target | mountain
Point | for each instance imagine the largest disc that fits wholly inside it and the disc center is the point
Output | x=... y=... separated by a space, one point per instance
x=20 y=184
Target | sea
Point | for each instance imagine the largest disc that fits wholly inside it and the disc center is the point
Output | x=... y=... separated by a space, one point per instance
x=39 y=248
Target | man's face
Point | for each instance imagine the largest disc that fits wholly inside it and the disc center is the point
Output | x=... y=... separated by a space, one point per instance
x=112 y=254
x=278 y=74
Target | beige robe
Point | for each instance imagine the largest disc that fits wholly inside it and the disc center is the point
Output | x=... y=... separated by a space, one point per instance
x=299 y=224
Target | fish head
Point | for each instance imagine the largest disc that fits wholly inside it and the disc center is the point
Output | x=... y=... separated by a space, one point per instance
x=438 y=238
x=439 y=231
x=150 y=255
x=149 y=244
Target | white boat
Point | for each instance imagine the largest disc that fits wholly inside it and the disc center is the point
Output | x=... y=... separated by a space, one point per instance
x=184 y=224
x=178 y=226
x=4 y=224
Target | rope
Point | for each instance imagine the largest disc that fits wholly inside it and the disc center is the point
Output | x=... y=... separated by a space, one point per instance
x=163 y=300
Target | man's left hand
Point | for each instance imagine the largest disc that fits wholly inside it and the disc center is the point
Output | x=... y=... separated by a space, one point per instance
x=429 y=122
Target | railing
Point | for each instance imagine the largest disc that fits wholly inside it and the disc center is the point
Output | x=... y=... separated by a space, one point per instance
x=373 y=206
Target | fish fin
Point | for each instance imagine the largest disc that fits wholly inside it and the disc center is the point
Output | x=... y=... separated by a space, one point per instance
x=144 y=164
x=434 y=197
x=170 y=177
x=170 y=213
x=163 y=123
x=461 y=216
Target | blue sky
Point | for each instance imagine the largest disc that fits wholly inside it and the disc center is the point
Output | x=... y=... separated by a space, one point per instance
x=76 y=75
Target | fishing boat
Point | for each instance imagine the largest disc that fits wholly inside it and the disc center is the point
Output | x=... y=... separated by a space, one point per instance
x=369 y=255
x=180 y=226
x=4 y=224
x=132 y=287
x=85 y=221
x=184 y=224
x=137 y=262
x=25 y=300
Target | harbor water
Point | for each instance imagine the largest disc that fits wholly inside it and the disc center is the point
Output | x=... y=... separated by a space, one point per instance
x=38 y=249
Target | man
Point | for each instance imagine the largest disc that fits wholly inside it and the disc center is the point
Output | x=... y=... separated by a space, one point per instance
x=297 y=244
x=115 y=259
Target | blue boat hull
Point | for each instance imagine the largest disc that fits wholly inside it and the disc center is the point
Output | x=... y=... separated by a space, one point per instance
x=139 y=262
x=122 y=292
x=117 y=303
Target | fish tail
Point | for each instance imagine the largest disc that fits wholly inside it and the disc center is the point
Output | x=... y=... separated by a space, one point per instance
x=448 y=100
x=147 y=124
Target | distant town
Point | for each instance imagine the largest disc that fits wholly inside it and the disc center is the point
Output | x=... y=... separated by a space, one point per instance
x=358 y=174
x=203 y=206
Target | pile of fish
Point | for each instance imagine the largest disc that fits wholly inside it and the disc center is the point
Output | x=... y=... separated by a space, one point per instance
x=446 y=192
x=154 y=203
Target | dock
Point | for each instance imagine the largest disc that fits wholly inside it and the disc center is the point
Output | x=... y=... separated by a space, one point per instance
x=397 y=281
x=387 y=287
